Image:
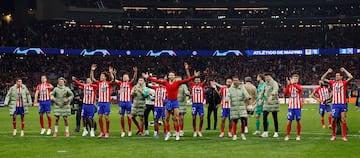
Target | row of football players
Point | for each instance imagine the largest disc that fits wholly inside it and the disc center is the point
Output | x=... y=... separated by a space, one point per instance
x=237 y=100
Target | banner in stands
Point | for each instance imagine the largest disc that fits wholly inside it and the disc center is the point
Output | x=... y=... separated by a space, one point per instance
x=156 y=53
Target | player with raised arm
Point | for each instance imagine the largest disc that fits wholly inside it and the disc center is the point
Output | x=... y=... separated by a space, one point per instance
x=339 y=106
x=159 y=108
x=294 y=91
x=18 y=99
x=172 y=87
x=88 y=109
x=104 y=87
x=322 y=95
x=183 y=92
x=42 y=98
x=225 y=111
x=197 y=97
x=125 y=99
x=237 y=97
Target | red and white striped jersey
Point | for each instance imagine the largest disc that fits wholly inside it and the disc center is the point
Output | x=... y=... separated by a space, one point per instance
x=197 y=92
x=104 y=91
x=44 y=91
x=125 y=91
x=160 y=96
x=323 y=93
x=89 y=94
x=338 y=91
x=224 y=91
x=294 y=92
x=19 y=102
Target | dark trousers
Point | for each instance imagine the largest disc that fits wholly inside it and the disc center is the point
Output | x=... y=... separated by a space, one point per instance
x=275 y=117
x=146 y=115
x=212 y=108
x=78 y=118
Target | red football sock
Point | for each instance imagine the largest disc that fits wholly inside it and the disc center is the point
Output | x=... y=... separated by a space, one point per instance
x=167 y=126
x=222 y=130
x=164 y=129
x=234 y=128
x=42 y=122
x=243 y=128
x=343 y=128
x=122 y=122
x=182 y=126
x=329 y=120
x=157 y=128
x=230 y=129
x=298 y=127
x=322 y=121
x=107 y=126
x=101 y=124
x=14 y=124
x=49 y=121
x=129 y=124
x=333 y=128
x=22 y=125
x=288 y=129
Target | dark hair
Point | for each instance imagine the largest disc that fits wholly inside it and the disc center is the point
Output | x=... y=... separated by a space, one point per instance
x=262 y=76
x=18 y=78
x=341 y=74
x=172 y=72
x=107 y=74
x=235 y=77
x=267 y=74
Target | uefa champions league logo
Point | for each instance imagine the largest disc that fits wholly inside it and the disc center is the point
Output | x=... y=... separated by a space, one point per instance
x=228 y=53
x=25 y=51
x=161 y=53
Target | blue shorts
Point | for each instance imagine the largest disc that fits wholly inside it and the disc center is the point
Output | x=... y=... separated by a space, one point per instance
x=159 y=112
x=323 y=108
x=171 y=104
x=103 y=108
x=197 y=108
x=337 y=109
x=19 y=111
x=125 y=106
x=88 y=111
x=225 y=112
x=45 y=107
x=294 y=114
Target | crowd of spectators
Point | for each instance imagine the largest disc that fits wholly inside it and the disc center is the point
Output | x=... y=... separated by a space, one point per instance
x=310 y=68
x=181 y=39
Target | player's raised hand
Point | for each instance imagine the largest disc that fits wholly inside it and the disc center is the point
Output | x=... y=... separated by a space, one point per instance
x=206 y=71
x=197 y=73
x=288 y=81
x=330 y=70
x=111 y=69
x=93 y=67
x=145 y=75
x=135 y=69
x=342 y=69
x=186 y=65
x=73 y=78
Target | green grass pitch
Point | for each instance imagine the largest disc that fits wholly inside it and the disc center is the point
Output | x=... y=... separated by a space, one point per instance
x=314 y=140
